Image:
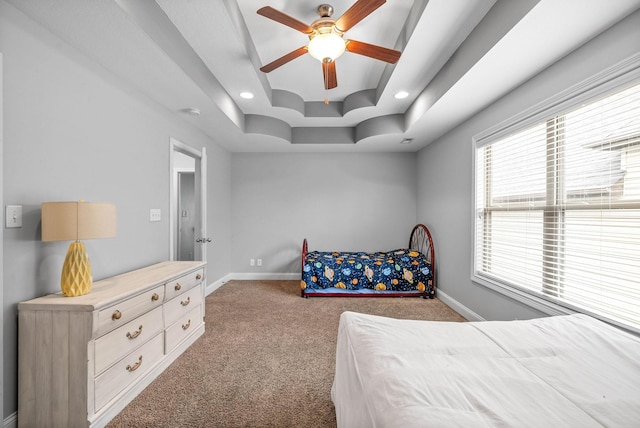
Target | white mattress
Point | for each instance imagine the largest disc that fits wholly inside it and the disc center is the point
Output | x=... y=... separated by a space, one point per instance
x=565 y=371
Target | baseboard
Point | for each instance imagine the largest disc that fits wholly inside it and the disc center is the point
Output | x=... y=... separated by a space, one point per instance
x=217 y=284
x=458 y=307
x=264 y=276
x=11 y=421
x=249 y=277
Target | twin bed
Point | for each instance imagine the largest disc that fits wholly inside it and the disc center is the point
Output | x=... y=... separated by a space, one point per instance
x=404 y=272
x=562 y=371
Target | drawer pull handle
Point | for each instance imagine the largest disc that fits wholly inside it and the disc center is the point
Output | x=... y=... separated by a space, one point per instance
x=198 y=277
x=133 y=368
x=186 y=302
x=116 y=315
x=187 y=325
x=135 y=333
x=155 y=297
x=177 y=287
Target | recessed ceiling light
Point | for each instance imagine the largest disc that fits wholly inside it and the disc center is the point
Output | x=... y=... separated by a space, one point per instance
x=192 y=111
x=406 y=141
x=246 y=95
x=401 y=95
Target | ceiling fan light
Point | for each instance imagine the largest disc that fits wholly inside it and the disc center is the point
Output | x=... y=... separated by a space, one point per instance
x=328 y=45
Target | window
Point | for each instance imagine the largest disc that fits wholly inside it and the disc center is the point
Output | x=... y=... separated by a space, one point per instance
x=557 y=208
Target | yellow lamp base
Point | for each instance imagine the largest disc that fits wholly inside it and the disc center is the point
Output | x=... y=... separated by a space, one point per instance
x=76 y=271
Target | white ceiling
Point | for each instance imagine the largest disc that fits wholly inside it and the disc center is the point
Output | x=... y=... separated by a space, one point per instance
x=458 y=56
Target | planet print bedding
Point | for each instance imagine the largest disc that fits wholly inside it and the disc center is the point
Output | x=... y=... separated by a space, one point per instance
x=403 y=272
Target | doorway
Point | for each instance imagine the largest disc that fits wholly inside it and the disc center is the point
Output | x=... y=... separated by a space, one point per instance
x=186 y=217
x=188 y=203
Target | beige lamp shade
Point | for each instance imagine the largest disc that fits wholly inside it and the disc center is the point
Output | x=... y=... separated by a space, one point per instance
x=73 y=221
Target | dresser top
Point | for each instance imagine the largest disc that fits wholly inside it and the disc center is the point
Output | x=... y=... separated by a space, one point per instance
x=114 y=289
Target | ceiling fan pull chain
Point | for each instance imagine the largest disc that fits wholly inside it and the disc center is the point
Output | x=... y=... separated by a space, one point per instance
x=325 y=75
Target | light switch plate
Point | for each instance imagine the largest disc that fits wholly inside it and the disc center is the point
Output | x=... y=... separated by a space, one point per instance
x=13 y=216
x=155 y=214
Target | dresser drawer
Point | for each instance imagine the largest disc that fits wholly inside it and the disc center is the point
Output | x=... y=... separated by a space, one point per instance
x=183 y=328
x=119 y=314
x=126 y=371
x=183 y=283
x=180 y=305
x=113 y=346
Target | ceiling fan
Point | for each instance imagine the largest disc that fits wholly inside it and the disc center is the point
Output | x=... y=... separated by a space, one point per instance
x=326 y=42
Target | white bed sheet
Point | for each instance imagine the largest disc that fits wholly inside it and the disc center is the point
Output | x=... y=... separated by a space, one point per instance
x=564 y=371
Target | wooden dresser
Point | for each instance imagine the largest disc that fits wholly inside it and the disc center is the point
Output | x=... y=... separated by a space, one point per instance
x=82 y=359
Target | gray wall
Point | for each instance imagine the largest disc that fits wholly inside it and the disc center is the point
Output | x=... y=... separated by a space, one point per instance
x=73 y=131
x=337 y=201
x=445 y=169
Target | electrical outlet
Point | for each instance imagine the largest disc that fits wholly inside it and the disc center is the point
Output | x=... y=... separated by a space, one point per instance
x=155 y=214
x=259 y=262
x=252 y=262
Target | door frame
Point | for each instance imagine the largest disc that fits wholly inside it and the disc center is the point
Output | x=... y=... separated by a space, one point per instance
x=1 y=247
x=200 y=157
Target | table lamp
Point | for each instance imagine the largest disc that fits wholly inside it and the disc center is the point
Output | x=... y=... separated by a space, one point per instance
x=73 y=221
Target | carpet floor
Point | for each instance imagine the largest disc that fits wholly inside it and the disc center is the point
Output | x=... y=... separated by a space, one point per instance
x=266 y=359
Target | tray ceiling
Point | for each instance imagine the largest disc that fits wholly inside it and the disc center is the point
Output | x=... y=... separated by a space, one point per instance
x=457 y=57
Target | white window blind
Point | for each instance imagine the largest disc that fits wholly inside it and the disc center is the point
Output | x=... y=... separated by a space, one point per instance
x=558 y=209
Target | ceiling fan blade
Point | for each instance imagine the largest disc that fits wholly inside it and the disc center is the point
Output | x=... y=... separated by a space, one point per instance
x=372 y=51
x=284 y=59
x=283 y=18
x=356 y=13
x=329 y=74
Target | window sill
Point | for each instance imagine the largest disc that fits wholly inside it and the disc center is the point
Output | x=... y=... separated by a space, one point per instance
x=535 y=302
x=538 y=303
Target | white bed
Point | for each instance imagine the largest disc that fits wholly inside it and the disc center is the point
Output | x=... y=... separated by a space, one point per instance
x=564 y=371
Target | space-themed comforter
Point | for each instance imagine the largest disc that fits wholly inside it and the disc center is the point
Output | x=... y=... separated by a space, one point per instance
x=400 y=271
